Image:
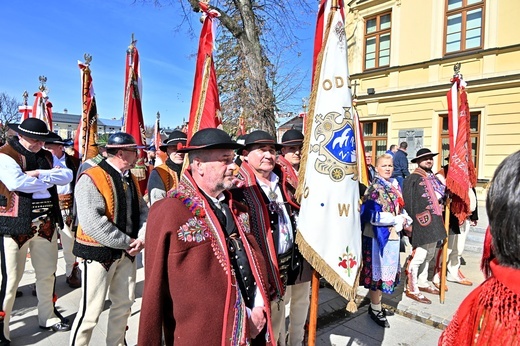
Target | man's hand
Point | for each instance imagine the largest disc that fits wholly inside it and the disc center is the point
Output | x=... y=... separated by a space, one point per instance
x=257 y=321
x=136 y=245
x=473 y=223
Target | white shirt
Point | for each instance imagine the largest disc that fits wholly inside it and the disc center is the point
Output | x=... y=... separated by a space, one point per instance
x=15 y=179
x=285 y=237
x=60 y=162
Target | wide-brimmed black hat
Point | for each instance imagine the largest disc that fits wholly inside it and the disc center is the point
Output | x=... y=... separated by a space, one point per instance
x=56 y=139
x=32 y=128
x=174 y=139
x=292 y=138
x=210 y=138
x=261 y=137
x=423 y=152
x=122 y=140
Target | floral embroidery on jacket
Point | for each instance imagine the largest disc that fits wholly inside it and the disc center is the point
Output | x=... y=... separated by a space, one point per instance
x=195 y=230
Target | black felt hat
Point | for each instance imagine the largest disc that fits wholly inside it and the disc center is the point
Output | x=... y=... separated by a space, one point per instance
x=56 y=139
x=122 y=140
x=423 y=152
x=210 y=138
x=173 y=140
x=292 y=138
x=261 y=137
x=32 y=128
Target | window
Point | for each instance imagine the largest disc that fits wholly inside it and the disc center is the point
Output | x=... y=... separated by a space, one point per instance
x=375 y=135
x=377 y=41
x=464 y=21
x=474 y=125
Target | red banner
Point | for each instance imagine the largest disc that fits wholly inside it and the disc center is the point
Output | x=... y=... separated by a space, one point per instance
x=133 y=113
x=461 y=171
x=42 y=108
x=205 y=105
x=86 y=134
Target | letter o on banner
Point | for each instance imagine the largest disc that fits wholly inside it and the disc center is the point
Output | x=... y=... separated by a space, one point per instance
x=327 y=84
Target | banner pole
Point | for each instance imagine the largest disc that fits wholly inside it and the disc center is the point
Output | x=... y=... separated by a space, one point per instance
x=313 y=314
x=445 y=250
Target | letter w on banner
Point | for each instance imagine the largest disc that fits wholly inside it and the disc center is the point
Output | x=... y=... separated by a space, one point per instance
x=329 y=223
x=461 y=171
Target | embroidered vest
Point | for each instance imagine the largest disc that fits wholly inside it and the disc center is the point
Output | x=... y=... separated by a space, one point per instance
x=15 y=206
x=168 y=176
x=87 y=247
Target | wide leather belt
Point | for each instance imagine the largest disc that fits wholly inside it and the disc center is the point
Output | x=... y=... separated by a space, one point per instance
x=66 y=201
x=284 y=262
x=41 y=207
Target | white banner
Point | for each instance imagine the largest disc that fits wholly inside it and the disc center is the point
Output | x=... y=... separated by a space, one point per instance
x=329 y=222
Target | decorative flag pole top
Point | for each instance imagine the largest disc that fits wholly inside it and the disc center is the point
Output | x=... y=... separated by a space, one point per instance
x=456 y=68
x=88 y=59
x=25 y=96
x=131 y=47
x=42 y=86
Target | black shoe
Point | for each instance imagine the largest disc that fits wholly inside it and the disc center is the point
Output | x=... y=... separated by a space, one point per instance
x=18 y=295
x=5 y=342
x=58 y=327
x=387 y=312
x=378 y=317
x=462 y=261
x=34 y=290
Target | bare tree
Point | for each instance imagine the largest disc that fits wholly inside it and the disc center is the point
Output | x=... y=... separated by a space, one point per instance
x=8 y=113
x=261 y=30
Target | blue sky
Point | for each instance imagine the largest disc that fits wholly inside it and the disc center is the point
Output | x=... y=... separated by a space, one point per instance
x=49 y=37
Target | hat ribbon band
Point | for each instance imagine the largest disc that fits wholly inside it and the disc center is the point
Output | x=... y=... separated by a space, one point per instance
x=33 y=132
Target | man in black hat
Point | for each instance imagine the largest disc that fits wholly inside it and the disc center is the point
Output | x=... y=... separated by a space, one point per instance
x=205 y=276
x=29 y=212
x=297 y=295
x=66 y=196
x=111 y=214
x=423 y=194
x=273 y=219
x=166 y=176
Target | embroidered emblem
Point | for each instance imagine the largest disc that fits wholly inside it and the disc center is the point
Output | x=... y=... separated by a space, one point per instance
x=424 y=218
x=195 y=230
x=243 y=220
x=336 y=145
x=347 y=261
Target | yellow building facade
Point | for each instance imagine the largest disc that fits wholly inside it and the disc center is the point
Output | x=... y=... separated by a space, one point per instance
x=402 y=55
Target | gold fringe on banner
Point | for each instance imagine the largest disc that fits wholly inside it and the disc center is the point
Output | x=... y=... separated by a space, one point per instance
x=317 y=262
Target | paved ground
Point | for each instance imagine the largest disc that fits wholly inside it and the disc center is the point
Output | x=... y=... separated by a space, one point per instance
x=413 y=324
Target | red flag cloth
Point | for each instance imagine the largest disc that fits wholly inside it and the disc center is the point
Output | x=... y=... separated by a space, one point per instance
x=133 y=123
x=42 y=108
x=205 y=105
x=26 y=111
x=461 y=171
x=86 y=133
x=241 y=126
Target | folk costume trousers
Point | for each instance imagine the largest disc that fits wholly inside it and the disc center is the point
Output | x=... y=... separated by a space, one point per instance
x=119 y=283
x=418 y=267
x=278 y=321
x=298 y=300
x=67 y=243
x=456 y=244
x=44 y=258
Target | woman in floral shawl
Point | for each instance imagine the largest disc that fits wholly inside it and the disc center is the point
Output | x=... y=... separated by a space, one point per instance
x=383 y=216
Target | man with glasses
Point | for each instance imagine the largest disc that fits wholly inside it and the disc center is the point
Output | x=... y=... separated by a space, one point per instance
x=111 y=216
x=423 y=195
x=29 y=212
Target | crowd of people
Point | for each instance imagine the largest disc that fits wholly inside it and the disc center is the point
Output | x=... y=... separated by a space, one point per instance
x=219 y=235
